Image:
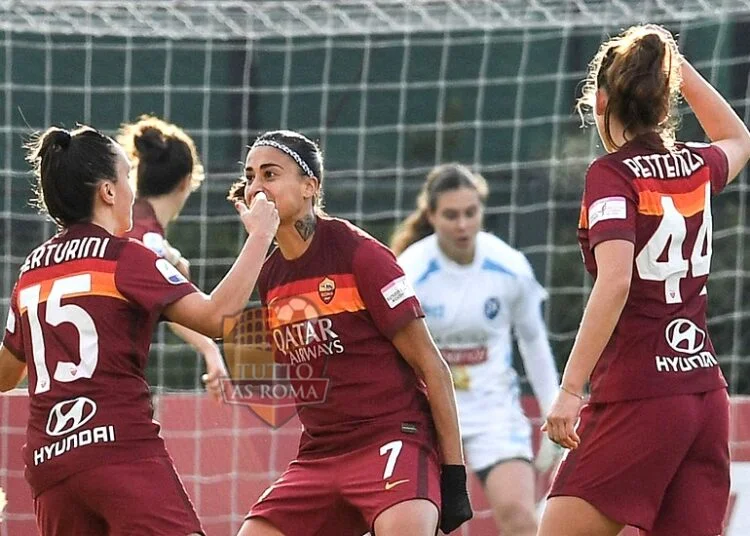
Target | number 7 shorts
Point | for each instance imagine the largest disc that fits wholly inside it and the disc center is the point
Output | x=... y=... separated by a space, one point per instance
x=344 y=494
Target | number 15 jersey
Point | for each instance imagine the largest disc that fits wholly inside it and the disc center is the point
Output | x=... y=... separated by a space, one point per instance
x=81 y=316
x=660 y=200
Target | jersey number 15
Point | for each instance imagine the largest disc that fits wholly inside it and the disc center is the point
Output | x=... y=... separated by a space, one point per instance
x=88 y=340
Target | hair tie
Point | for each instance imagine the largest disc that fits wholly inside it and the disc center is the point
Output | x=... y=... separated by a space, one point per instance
x=291 y=152
x=62 y=139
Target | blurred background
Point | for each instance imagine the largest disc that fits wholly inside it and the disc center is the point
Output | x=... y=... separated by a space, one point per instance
x=389 y=88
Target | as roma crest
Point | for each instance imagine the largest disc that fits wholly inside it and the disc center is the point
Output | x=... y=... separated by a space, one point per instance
x=326 y=290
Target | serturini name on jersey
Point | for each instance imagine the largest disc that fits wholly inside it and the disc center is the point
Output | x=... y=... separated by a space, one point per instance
x=74 y=249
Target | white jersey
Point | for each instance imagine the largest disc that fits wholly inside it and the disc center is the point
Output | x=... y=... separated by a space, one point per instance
x=471 y=311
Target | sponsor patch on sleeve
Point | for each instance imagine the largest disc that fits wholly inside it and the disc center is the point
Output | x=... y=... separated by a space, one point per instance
x=169 y=272
x=607 y=208
x=155 y=242
x=397 y=291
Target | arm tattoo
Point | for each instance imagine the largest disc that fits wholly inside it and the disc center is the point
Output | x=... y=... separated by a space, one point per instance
x=306 y=226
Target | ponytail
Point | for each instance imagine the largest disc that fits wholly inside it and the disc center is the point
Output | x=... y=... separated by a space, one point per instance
x=414 y=228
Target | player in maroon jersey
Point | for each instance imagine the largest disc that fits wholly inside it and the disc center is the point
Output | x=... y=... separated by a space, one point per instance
x=81 y=317
x=652 y=447
x=371 y=451
x=167 y=169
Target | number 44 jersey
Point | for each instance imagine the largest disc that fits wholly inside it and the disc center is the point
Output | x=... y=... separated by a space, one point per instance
x=660 y=200
x=81 y=316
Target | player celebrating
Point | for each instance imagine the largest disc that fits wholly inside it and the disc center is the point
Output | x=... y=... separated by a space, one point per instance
x=652 y=448
x=167 y=169
x=368 y=456
x=474 y=287
x=81 y=316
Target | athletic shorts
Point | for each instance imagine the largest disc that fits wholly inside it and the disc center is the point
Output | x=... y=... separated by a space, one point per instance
x=659 y=464
x=141 y=498
x=500 y=440
x=344 y=494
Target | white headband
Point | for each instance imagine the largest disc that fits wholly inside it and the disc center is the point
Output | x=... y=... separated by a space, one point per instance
x=281 y=147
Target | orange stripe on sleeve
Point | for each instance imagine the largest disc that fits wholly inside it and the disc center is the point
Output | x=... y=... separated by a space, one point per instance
x=583 y=219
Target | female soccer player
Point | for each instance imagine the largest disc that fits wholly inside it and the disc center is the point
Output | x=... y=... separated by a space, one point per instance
x=81 y=317
x=368 y=457
x=652 y=447
x=167 y=169
x=474 y=288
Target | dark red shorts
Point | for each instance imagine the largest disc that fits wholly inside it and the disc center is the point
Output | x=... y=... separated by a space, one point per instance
x=659 y=464
x=141 y=498
x=344 y=494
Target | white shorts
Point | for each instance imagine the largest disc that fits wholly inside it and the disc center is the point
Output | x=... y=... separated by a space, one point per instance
x=506 y=437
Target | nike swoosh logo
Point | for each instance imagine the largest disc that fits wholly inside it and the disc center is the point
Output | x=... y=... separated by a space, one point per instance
x=391 y=485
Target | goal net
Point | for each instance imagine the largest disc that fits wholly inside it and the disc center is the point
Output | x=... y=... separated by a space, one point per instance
x=389 y=88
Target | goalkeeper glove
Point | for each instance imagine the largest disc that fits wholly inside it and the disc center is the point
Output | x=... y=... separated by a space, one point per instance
x=456 y=508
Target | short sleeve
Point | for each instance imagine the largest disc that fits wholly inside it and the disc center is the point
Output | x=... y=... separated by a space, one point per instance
x=148 y=280
x=610 y=205
x=717 y=162
x=384 y=288
x=13 y=337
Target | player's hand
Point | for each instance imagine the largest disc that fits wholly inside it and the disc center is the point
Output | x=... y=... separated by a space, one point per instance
x=183 y=266
x=215 y=371
x=175 y=258
x=455 y=504
x=260 y=217
x=561 y=420
x=547 y=455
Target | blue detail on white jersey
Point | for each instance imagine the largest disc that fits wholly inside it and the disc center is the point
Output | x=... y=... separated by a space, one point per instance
x=481 y=305
x=491 y=307
x=432 y=268
x=495 y=267
x=434 y=311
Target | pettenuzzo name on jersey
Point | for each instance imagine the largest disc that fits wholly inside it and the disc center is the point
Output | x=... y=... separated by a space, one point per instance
x=672 y=165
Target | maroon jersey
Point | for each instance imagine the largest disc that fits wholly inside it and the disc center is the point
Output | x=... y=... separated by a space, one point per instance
x=353 y=298
x=661 y=201
x=82 y=315
x=146 y=227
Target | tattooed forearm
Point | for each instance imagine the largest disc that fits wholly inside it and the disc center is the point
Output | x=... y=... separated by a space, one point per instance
x=306 y=226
